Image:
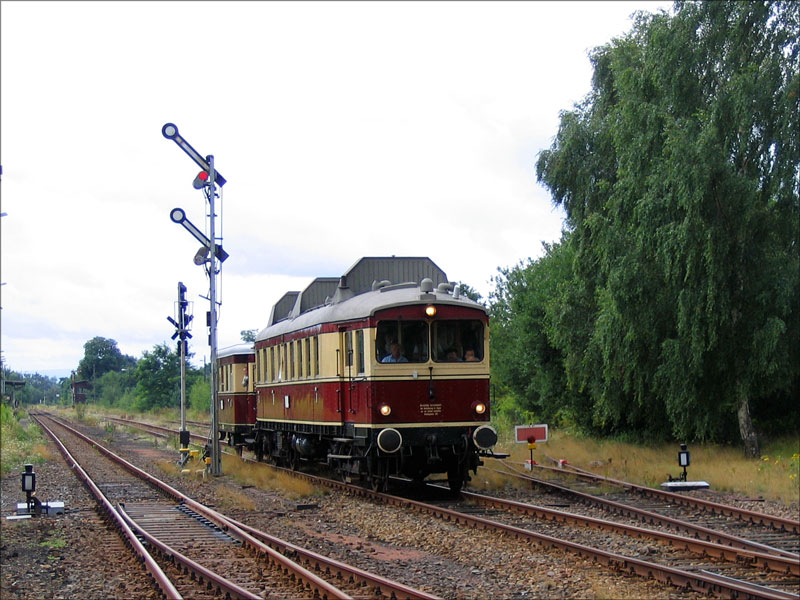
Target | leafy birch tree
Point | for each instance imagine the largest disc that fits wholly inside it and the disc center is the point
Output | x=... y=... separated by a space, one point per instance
x=679 y=174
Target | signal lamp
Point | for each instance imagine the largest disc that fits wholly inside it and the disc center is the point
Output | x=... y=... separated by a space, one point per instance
x=200 y=181
x=385 y=409
x=479 y=408
x=28 y=479
x=430 y=310
x=683 y=457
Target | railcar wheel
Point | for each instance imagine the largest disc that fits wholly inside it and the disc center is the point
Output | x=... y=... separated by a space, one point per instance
x=379 y=483
x=293 y=460
x=341 y=470
x=455 y=480
x=378 y=476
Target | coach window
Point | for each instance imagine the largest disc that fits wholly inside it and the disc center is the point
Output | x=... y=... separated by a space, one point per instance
x=348 y=348
x=456 y=341
x=300 y=359
x=271 y=364
x=307 y=343
x=412 y=336
x=299 y=350
x=291 y=360
x=360 y=351
x=315 y=343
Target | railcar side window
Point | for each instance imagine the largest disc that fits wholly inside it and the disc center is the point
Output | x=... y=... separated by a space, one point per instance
x=455 y=341
x=272 y=370
x=411 y=338
x=300 y=359
x=348 y=349
x=360 y=351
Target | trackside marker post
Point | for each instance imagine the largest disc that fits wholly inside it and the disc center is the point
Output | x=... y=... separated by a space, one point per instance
x=530 y=434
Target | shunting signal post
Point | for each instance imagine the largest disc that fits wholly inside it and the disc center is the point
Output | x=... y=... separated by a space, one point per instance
x=182 y=332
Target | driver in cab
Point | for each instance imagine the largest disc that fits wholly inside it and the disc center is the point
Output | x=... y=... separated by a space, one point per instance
x=395 y=355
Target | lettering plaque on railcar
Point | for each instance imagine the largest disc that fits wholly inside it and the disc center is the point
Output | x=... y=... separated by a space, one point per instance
x=430 y=410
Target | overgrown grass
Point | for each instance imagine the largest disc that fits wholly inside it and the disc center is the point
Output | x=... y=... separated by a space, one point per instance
x=774 y=476
x=21 y=444
x=262 y=477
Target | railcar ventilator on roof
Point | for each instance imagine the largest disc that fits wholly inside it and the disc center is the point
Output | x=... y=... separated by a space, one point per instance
x=383 y=371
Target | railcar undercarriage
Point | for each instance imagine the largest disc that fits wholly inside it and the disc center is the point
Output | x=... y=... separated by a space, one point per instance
x=375 y=455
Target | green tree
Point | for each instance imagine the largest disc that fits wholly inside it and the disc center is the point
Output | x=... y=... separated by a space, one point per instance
x=158 y=376
x=101 y=355
x=679 y=177
x=249 y=335
x=524 y=306
x=112 y=387
x=199 y=395
x=470 y=292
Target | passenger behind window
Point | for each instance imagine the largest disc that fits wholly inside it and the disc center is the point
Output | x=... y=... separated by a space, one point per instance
x=396 y=355
x=469 y=355
x=452 y=355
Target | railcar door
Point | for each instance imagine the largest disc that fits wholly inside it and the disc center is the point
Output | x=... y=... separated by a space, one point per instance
x=345 y=372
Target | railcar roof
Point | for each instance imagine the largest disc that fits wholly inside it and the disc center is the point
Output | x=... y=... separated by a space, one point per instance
x=365 y=305
x=369 y=285
x=235 y=350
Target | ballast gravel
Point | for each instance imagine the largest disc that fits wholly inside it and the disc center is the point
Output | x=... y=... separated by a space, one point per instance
x=78 y=555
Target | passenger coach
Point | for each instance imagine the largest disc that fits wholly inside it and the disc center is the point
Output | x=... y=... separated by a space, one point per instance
x=236 y=395
x=383 y=371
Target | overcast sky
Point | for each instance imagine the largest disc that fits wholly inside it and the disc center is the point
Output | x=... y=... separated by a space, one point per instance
x=343 y=129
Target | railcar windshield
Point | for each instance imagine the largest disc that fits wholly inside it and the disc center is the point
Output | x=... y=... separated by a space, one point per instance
x=455 y=341
x=402 y=341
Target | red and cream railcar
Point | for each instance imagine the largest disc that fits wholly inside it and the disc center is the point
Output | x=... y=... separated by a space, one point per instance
x=376 y=378
x=236 y=394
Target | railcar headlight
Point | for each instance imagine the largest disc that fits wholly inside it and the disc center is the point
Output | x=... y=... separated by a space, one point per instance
x=430 y=311
x=385 y=409
x=479 y=408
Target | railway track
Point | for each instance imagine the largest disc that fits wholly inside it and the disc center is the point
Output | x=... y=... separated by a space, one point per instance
x=213 y=554
x=707 y=562
x=727 y=525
